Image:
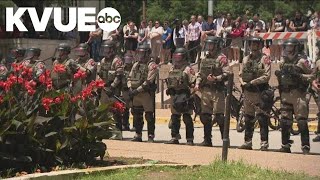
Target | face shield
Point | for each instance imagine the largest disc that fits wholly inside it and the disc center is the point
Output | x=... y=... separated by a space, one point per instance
x=128 y=59
x=31 y=54
x=81 y=52
x=177 y=59
x=211 y=46
x=61 y=54
x=106 y=52
x=142 y=56
x=255 y=45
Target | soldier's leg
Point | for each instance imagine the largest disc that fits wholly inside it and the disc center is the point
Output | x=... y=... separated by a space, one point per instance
x=301 y=110
x=187 y=119
x=206 y=115
x=118 y=119
x=206 y=120
x=148 y=106
x=248 y=132
x=151 y=125
x=264 y=131
x=125 y=120
x=249 y=119
x=317 y=138
x=175 y=128
x=219 y=118
x=137 y=113
x=286 y=124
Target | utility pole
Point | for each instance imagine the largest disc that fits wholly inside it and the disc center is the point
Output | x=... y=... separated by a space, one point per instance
x=144 y=9
x=210 y=7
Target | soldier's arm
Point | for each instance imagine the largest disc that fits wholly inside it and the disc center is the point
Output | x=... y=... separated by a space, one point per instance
x=306 y=68
x=190 y=75
x=119 y=72
x=130 y=75
x=152 y=74
x=267 y=72
x=225 y=68
x=244 y=62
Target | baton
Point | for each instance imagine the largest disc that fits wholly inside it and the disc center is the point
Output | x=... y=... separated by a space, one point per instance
x=119 y=99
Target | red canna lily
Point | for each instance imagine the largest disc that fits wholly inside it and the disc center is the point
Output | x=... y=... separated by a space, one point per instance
x=80 y=75
x=59 y=68
x=46 y=103
x=119 y=107
x=17 y=67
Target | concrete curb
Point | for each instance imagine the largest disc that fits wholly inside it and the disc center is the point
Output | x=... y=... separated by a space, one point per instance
x=71 y=174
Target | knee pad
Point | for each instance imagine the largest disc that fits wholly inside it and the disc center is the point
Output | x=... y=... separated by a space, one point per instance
x=149 y=116
x=205 y=118
x=187 y=119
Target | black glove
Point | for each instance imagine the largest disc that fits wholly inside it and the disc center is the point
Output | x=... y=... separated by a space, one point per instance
x=133 y=93
x=170 y=91
x=247 y=85
x=109 y=91
x=277 y=73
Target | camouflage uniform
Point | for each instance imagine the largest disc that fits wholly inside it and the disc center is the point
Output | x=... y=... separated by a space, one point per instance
x=212 y=92
x=294 y=77
x=141 y=83
x=32 y=61
x=179 y=81
x=111 y=71
x=254 y=76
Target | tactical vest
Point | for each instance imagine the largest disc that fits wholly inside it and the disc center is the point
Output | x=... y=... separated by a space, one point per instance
x=286 y=78
x=139 y=75
x=126 y=72
x=177 y=79
x=209 y=66
x=252 y=70
x=62 y=79
x=107 y=73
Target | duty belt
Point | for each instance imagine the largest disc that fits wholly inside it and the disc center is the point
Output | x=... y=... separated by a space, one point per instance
x=214 y=86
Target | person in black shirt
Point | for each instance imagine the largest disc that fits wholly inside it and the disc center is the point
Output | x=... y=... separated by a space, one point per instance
x=298 y=23
x=278 y=25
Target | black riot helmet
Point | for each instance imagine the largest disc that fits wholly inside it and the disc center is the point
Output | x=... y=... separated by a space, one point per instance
x=32 y=52
x=107 y=49
x=15 y=54
x=179 y=57
x=291 y=46
x=82 y=50
x=143 y=53
x=62 y=51
x=213 y=44
x=255 y=40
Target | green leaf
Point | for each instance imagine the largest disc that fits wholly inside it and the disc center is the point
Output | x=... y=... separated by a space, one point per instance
x=51 y=134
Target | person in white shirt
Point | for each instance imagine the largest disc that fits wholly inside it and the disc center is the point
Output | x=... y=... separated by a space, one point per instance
x=219 y=23
x=156 y=40
x=179 y=35
x=194 y=30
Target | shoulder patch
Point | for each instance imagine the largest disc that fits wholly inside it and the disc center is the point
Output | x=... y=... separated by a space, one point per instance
x=154 y=66
x=223 y=59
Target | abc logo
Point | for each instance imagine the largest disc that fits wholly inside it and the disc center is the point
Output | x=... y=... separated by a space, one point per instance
x=109 y=19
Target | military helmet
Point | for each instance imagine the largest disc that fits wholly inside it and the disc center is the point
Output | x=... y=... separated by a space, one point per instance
x=108 y=43
x=107 y=48
x=291 y=41
x=179 y=56
x=82 y=49
x=258 y=40
x=33 y=51
x=143 y=47
x=216 y=41
x=143 y=51
x=64 y=47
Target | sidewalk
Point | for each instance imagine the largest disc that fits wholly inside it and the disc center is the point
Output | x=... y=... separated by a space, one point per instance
x=195 y=155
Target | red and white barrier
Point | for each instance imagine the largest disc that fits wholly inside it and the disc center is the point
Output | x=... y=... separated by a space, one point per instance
x=283 y=35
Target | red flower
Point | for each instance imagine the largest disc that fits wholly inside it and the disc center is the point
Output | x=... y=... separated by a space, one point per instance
x=119 y=107
x=31 y=92
x=46 y=79
x=46 y=103
x=86 y=92
x=59 y=68
x=99 y=83
x=17 y=67
x=80 y=75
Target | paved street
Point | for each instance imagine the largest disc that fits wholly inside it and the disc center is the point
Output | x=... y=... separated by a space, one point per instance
x=236 y=139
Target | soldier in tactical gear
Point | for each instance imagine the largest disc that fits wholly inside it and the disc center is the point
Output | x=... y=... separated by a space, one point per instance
x=32 y=61
x=15 y=55
x=316 y=89
x=62 y=80
x=254 y=77
x=210 y=81
x=181 y=78
x=294 y=77
x=141 y=83
x=128 y=63
x=111 y=72
x=85 y=63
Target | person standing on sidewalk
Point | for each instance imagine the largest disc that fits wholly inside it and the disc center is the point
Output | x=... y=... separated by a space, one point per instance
x=180 y=79
x=294 y=77
x=254 y=77
x=316 y=89
x=156 y=40
x=194 y=30
x=210 y=82
x=141 y=84
x=166 y=43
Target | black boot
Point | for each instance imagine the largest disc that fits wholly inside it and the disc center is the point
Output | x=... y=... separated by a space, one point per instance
x=187 y=119
x=316 y=139
x=137 y=138
x=304 y=132
x=172 y=141
x=248 y=133
x=206 y=142
x=285 y=148
x=305 y=149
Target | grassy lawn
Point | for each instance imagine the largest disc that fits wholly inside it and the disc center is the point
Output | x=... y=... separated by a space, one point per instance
x=217 y=170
